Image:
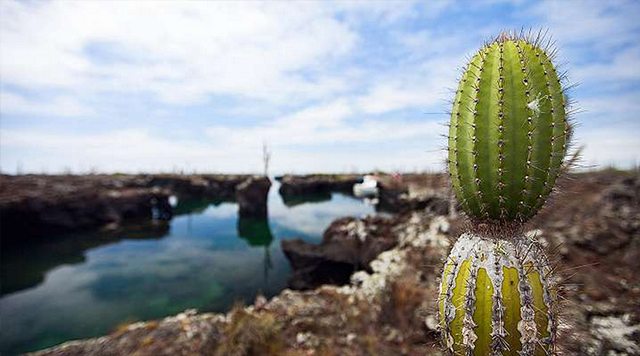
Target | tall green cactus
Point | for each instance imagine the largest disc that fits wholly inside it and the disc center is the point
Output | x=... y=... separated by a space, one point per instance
x=508 y=137
x=509 y=131
x=496 y=298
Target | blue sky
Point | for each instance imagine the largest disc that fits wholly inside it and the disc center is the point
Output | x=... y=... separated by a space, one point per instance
x=330 y=86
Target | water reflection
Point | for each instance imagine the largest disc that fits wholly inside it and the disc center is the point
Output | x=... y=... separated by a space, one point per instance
x=257 y=232
x=205 y=258
x=25 y=266
x=195 y=206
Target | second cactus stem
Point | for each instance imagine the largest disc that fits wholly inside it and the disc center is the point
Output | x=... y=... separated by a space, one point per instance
x=496 y=298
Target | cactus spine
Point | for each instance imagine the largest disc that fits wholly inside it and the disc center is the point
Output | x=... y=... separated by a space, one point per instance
x=508 y=137
x=509 y=131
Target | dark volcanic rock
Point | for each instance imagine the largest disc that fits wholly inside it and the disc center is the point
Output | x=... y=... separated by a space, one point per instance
x=390 y=198
x=316 y=184
x=220 y=187
x=398 y=200
x=35 y=205
x=315 y=265
x=592 y=228
x=83 y=209
x=348 y=245
x=251 y=196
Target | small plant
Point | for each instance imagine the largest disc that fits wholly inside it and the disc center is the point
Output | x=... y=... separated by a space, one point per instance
x=508 y=137
x=251 y=334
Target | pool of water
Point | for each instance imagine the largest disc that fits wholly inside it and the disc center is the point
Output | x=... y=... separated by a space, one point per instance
x=85 y=285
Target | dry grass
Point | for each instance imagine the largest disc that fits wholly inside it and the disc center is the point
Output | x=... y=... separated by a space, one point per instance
x=249 y=334
x=405 y=298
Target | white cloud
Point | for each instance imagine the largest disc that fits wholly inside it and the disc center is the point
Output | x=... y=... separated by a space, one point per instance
x=327 y=124
x=385 y=98
x=347 y=87
x=604 y=24
x=608 y=109
x=623 y=68
x=57 y=106
x=609 y=147
x=126 y=150
x=422 y=85
x=181 y=51
x=598 y=39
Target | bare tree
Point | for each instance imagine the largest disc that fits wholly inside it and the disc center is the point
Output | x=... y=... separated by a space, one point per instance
x=266 y=157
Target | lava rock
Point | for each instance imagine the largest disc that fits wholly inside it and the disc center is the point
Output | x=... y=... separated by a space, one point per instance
x=316 y=184
x=32 y=206
x=251 y=196
x=396 y=199
x=348 y=245
x=36 y=216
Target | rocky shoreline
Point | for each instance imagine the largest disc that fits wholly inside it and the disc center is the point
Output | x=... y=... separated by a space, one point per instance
x=592 y=232
x=355 y=319
x=351 y=244
x=34 y=205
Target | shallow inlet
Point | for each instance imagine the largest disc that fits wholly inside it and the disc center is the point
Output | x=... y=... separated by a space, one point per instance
x=85 y=285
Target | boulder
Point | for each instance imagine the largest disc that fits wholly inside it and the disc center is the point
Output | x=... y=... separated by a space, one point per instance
x=348 y=245
x=251 y=196
x=399 y=199
x=316 y=184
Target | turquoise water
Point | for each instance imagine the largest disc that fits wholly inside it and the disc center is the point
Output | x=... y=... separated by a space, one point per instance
x=204 y=258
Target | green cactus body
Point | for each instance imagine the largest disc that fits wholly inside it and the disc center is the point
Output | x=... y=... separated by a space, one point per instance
x=508 y=133
x=496 y=298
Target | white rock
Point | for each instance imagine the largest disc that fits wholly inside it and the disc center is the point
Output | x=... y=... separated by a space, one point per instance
x=614 y=330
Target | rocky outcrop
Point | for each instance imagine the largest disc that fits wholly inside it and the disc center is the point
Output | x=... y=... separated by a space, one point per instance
x=399 y=200
x=251 y=196
x=413 y=192
x=592 y=229
x=183 y=334
x=220 y=187
x=33 y=216
x=34 y=205
x=348 y=245
x=316 y=184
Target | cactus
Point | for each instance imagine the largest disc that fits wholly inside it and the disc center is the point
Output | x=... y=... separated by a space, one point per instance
x=509 y=131
x=496 y=298
x=508 y=137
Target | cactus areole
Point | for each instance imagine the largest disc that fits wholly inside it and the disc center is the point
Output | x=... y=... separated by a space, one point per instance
x=508 y=132
x=496 y=298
